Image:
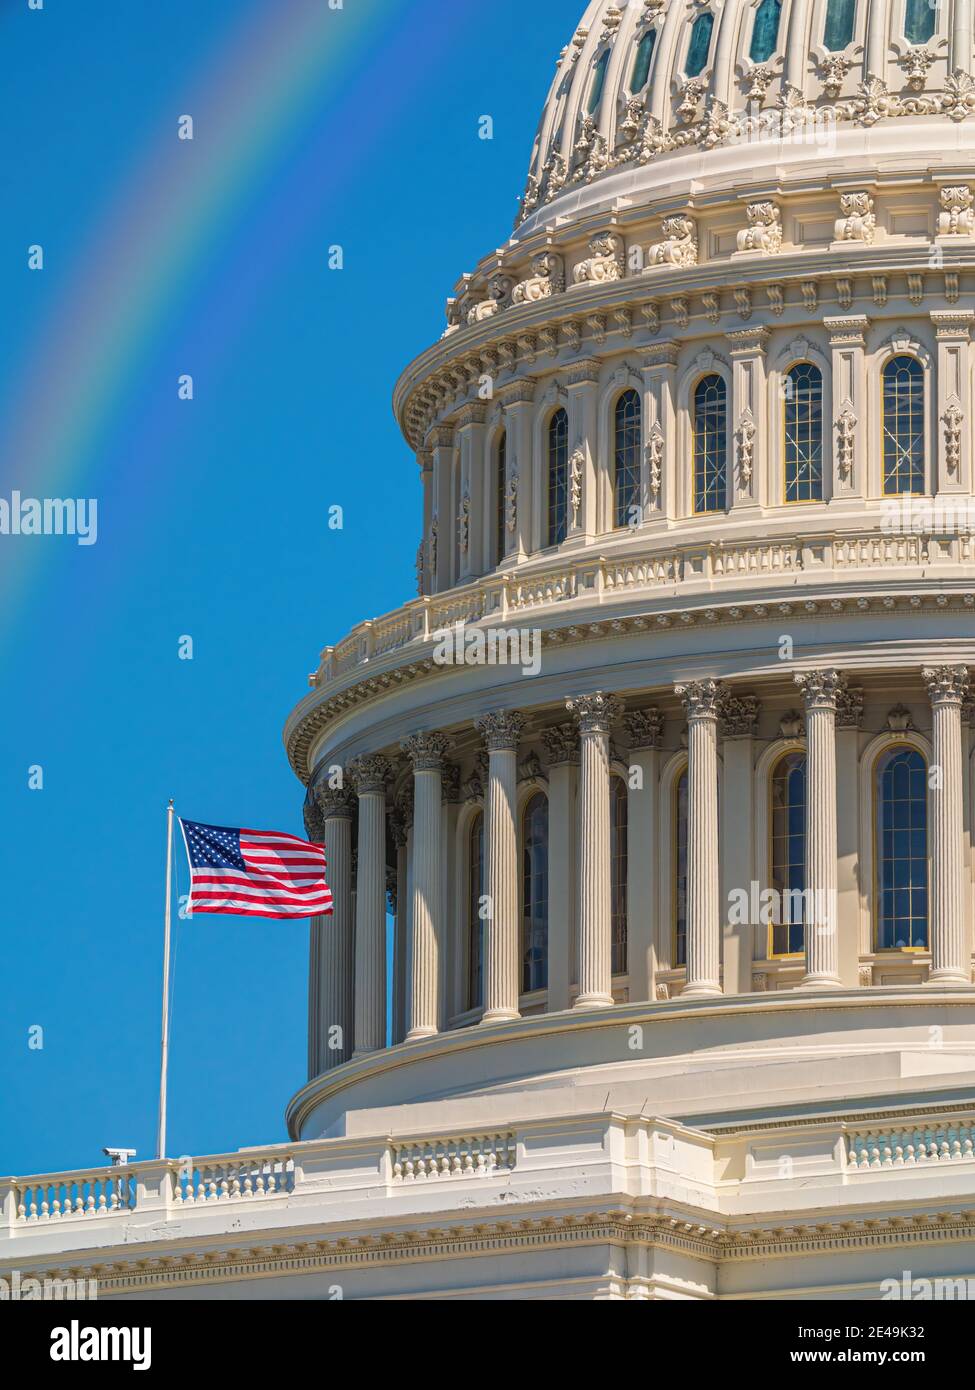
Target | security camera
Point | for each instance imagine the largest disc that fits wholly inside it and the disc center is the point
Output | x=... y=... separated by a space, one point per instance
x=119 y=1157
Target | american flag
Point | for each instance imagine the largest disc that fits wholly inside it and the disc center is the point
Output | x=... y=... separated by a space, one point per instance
x=255 y=873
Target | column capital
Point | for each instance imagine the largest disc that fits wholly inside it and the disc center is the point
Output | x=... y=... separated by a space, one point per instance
x=369 y=774
x=520 y=392
x=846 y=328
x=426 y=751
x=644 y=728
x=701 y=699
x=500 y=729
x=596 y=713
x=946 y=685
x=561 y=744
x=473 y=414
x=748 y=341
x=738 y=714
x=314 y=824
x=821 y=689
x=584 y=373
x=661 y=355
x=334 y=803
x=849 y=707
x=450 y=782
x=404 y=808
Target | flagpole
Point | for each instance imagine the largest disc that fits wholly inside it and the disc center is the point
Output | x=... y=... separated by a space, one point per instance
x=161 y=1133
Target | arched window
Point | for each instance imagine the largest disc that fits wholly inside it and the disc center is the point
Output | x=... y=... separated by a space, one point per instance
x=765 y=34
x=642 y=61
x=534 y=973
x=627 y=458
x=919 y=20
x=617 y=871
x=501 y=483
x=710 y=444
x=803 y=410
x=558 y=479
x=475 y=925
x=838 y=31
x=787 y=869
x=598 y=81
x=700 y=44
x=901 y=821
x=680 y=871
x=903 y=411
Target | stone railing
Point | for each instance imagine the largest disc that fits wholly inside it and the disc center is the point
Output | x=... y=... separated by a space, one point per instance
x=704 y=567
x=472 y=1156
x=910 y=1147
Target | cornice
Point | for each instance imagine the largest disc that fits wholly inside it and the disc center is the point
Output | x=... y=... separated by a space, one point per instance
x=607 y=317
x=522 y=1229
x=318 y=710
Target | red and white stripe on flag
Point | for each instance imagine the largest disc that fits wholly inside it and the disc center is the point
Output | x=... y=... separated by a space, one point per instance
x=255 y=873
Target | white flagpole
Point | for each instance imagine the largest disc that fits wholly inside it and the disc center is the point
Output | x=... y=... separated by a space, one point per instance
x=161 y=1133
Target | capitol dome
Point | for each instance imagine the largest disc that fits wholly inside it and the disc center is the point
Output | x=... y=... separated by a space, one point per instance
x=694 y=623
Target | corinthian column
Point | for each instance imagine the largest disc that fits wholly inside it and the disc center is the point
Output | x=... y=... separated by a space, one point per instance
x=426 y=753
x=333 y=1024
x=951 y=947
x=821 y=691
x=501 y=731
x=369 y=776
x=701 y=702
x=595 y=714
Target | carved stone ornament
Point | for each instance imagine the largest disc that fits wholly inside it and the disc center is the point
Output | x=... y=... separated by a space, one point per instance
x=916 y=63
x=655 y=461
x=899 y=720
x=511 y=500
x=561 y=744
x=701 y=699
x=946 y=684
x=846 y=425
x=764 y=230
x=547 y=278
x=370 y=773
x=739 y=714
x=856 y=221
x=426 y=751
x=953 y=419
x=791 y=725
x=605 y=263
x=678 y=245
x=746 y=450
x=501 y=729
x=957 y=216
x=464 y=523
x=575 y=484
x=644 y=728
x=499 y=289
x=335 y=803
x=596 y=713
x=821 y=689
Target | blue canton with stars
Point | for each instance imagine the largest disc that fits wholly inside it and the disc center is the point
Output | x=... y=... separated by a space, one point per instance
x=212 y=846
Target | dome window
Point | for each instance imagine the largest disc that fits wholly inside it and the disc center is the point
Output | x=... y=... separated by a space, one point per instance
x=788 y=858
x=838 y=33
x=641 y=64
x=803 y=411
x=558 y=477
x=918 y=21
x=598 y=82
x=700 y=45
x=534 y=957
x=903 y=412
x=627 y=426
x=765 y=34
x=710 y=444
x=901 y=827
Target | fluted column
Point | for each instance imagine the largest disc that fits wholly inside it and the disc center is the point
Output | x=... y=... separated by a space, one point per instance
x=426 y=752
x=400 y=832
x=369 y=776
x=502 y=957
x=701 y=700
x=951 y=948
x=821 y=691
x=334 y=1005
x=595 y=715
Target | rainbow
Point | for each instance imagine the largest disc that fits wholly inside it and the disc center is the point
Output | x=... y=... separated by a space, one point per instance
x=279 y=69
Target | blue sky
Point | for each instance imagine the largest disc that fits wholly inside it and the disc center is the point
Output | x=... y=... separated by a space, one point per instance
x=213 y=515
